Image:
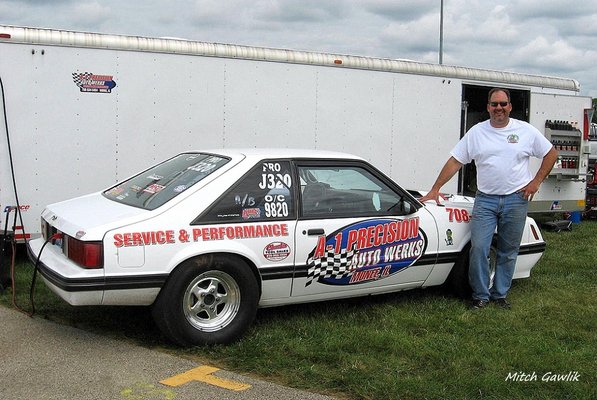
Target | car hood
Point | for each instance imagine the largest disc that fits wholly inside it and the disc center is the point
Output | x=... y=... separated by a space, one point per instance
x=89 y=217
x=447 y=199
x=458 y=200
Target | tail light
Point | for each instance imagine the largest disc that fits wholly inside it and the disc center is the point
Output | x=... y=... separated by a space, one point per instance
x=87 y=254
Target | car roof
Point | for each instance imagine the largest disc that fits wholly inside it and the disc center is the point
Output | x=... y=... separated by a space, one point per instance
x=264 y=153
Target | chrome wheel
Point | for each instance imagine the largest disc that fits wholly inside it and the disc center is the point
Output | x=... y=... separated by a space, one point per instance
x=211 y=301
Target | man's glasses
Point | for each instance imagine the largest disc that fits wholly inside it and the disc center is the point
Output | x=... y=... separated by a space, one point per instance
x=501 y=103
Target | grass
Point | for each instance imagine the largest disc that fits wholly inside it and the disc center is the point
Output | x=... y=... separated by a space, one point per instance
x=420 y=344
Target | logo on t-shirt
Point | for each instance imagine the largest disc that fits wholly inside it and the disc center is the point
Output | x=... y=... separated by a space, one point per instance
x=513 y=138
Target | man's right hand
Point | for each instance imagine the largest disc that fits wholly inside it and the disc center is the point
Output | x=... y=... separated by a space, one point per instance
x=432 y=195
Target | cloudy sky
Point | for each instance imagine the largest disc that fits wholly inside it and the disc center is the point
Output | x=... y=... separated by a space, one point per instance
x=545 y=37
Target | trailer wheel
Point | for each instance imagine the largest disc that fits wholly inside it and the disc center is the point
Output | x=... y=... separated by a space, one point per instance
x=458 y=282
x=207 y=300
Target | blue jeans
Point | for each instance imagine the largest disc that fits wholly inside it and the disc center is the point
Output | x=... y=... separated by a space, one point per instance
x=508 y=214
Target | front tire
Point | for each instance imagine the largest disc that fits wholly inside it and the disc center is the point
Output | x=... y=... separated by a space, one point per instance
x=458 y=282
x=207 y=300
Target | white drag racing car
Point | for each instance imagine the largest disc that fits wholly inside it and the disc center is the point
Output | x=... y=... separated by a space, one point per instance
x=208 y=237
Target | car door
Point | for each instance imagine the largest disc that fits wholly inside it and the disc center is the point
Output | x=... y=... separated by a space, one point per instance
x=256 y=219
x=358 y=233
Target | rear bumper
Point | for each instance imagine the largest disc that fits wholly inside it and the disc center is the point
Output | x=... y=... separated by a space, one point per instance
x=528 y=256
x=75 y=290
x=79 y=286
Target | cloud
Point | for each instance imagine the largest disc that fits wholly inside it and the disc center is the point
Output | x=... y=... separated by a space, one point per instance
x=541 y=54
x=211 y=12
x=523 y=10
x=90 y=15
x=404 y=10
x=417 y=36
x=299 y=11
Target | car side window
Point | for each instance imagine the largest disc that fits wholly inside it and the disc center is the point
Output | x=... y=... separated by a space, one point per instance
x=344 y=191
x=264 y=194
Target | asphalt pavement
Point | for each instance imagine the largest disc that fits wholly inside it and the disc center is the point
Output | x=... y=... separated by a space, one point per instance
x=43 y=360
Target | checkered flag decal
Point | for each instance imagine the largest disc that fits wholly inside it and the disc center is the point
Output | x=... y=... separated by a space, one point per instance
x=79 y=77
x=331 y=265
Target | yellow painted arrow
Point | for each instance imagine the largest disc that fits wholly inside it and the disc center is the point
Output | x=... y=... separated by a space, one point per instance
x=204 y=374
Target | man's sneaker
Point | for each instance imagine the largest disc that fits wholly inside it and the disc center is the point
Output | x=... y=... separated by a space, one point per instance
x=478 y=304
x=502 y=303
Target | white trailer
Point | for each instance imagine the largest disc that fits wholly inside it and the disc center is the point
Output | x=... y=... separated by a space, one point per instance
x=85 y=110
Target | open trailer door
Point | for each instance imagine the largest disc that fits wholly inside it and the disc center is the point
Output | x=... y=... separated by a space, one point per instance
x=560 y=117
x=474 y=110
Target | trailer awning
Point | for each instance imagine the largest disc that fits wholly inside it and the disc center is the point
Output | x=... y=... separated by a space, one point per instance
x=188 y=47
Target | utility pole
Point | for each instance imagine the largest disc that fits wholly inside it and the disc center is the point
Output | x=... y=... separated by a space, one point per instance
x=441 y=32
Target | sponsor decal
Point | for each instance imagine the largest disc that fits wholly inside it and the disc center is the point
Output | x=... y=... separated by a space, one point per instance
x=366 y=251
x=92 y=83
x=249 y=213
x=276 y=251
x=115 y=191
x=154 y=188
x=203 y=166
x=556 y=205
x=449 y=239
x=231 y=215
x=180 y=188
x=23 y=207
x=170 y=236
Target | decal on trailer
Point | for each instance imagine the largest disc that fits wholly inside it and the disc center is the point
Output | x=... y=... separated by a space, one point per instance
x=92 y=83
x=366 y=251
x=23 y=207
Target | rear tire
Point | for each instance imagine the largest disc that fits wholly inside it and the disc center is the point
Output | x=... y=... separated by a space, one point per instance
x=207 y=300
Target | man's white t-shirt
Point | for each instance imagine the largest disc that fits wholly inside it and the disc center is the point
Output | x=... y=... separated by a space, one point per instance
x=501 y=155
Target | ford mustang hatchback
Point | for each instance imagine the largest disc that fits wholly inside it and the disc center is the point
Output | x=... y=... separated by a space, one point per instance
x=208 y=237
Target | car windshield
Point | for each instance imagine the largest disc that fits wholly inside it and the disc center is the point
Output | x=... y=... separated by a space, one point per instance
x=161 y=183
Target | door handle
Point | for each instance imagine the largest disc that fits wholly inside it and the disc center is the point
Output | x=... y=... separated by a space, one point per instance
x=317 y=231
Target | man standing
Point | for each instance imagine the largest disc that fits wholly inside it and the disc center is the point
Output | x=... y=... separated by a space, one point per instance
x=501 y=148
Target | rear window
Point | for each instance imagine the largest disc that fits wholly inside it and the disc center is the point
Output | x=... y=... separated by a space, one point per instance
x=160 y=184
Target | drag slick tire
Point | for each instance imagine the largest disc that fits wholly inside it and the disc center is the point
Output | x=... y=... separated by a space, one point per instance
x=209 y=299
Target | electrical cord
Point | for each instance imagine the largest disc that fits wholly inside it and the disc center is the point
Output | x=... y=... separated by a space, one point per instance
x=13 y=247
x=12 y=168
x=52 y=238
x=16 y=193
